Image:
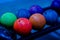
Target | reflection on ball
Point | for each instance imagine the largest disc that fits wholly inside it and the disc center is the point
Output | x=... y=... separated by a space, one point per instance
x=37 y=20
x=22 y=26
x=8 y=19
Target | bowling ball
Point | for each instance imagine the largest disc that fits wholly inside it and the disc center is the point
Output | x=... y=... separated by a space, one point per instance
x=56 y=4
x=37 y=20
x=51 y=16
x=22 y=26
x=8 y=19
x=36 y=9
x=23 y=13
x=5 y=34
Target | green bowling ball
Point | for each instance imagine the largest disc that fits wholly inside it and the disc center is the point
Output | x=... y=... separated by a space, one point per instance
x=8 y=19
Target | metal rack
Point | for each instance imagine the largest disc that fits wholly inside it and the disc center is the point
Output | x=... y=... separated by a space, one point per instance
x=41 y=33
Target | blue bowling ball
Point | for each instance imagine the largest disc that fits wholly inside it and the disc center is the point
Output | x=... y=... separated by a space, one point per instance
x=5 y=34
x=51 y=16
x=36 y=9
x=56 y=4
x=23 y=13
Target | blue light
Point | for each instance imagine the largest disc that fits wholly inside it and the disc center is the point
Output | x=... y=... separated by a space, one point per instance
x=4 y=1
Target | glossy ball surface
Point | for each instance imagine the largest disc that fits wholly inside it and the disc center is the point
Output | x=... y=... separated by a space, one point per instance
x=56 y=4
x=36 y=9
x=51 y=16
x=8 y=19
x=37 y=20
x=23 y=13
x=22 y=26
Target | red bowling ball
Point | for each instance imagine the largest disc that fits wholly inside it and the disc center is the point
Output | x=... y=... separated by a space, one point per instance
x=22 y=26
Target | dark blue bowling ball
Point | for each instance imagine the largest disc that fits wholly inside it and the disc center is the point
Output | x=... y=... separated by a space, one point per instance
x=56 y=4
x=23 y=13
x=51 y=16
x=5 y=34
x=36 y=9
